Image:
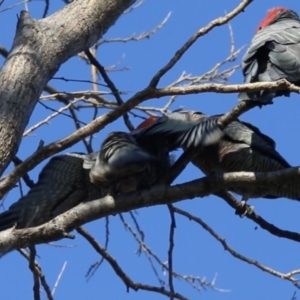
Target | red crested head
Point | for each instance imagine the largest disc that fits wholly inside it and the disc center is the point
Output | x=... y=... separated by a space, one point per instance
x=271 y=15
x=147 y=122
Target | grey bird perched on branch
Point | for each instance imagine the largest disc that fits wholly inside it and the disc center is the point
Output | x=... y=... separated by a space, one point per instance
x=62 y=184
x=69 y=179
x=242 y=148
x=123 y=165
x=140 y=158
x=274 y=54
x=127 y=161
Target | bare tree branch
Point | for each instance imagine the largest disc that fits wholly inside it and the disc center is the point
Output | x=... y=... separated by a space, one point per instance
x=111 y=85
x=287 y=276
x=143 y=248
x=203 y=31
x=171 y=247
x=36 y=268
x=160 y=194
x=36 y=280
x=46 y=120
x=123 y=276
x=250 y=214
x=33 y=64
x=95 y=266
x=58 y=278
x=133 y=37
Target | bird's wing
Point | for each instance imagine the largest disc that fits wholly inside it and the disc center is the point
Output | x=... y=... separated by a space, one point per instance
x=62 y=184
x=243 y=132
x=181 y=129
x=120 y=148
x=89 y=160
x=120 y=155
x=206 y=132
x=278 y=37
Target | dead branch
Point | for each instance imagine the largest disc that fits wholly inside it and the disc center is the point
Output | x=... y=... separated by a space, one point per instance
x=58 y=278
x=143 y=248
x=288 y=276
x=171 y=248
x=133 y=37
x=36 y=269
x=250 y=214
x=160 y=194
x=36 y=280
x=21 y=70
x=95 y=266
x=203 y=31
x=46 y=120
x=111 y=86
x=130 y=9
x=123 y=276
x=196 y=282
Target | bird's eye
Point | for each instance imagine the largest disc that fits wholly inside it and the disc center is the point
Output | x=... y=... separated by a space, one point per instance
x=259 y=28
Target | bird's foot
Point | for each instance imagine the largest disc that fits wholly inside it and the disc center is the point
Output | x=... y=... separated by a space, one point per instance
x=244 y=209
x=262 y=104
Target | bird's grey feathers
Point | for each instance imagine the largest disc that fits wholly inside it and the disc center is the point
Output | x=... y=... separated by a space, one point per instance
x=119 y=158
x=182 y=129
x=62 y=184
x=245 y=148
x=274 y=54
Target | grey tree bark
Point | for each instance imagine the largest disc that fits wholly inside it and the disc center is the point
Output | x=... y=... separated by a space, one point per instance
x=60 y=227
x=39 y=49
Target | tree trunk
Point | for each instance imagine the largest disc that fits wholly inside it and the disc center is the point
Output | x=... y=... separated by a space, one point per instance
x=39 y=49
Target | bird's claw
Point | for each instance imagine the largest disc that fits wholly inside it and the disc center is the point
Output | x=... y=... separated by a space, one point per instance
x=244 y=209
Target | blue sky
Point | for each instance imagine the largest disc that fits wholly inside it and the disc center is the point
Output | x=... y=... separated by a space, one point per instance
x=196 y=252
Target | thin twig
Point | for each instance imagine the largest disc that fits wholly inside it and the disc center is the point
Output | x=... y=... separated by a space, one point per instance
x=189 y=279
x=38 y=269
x=95 y=266
x=30 y=183
x=110 y=84
x=133 y=37
x=137 y=226
x=122 y=275
x=271 y=228
x=203 y=31
x=143 y=248
x=46 y=120
x=36 y=280
x=58 y=278
x=171 y=247
x=131 y=8
x=288 y=276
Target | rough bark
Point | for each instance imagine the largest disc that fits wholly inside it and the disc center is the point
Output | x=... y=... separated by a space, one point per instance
x=160 y=194
x=40 y=47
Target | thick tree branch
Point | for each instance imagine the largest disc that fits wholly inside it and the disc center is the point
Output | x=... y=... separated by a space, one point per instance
x=146 y=94
x=224 y=89
x=44 y=152
x=157 y=195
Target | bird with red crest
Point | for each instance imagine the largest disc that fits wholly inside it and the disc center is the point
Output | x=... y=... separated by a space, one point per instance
x=274 y=54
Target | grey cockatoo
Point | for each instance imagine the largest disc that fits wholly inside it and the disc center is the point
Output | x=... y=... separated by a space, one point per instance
x=274 y=54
